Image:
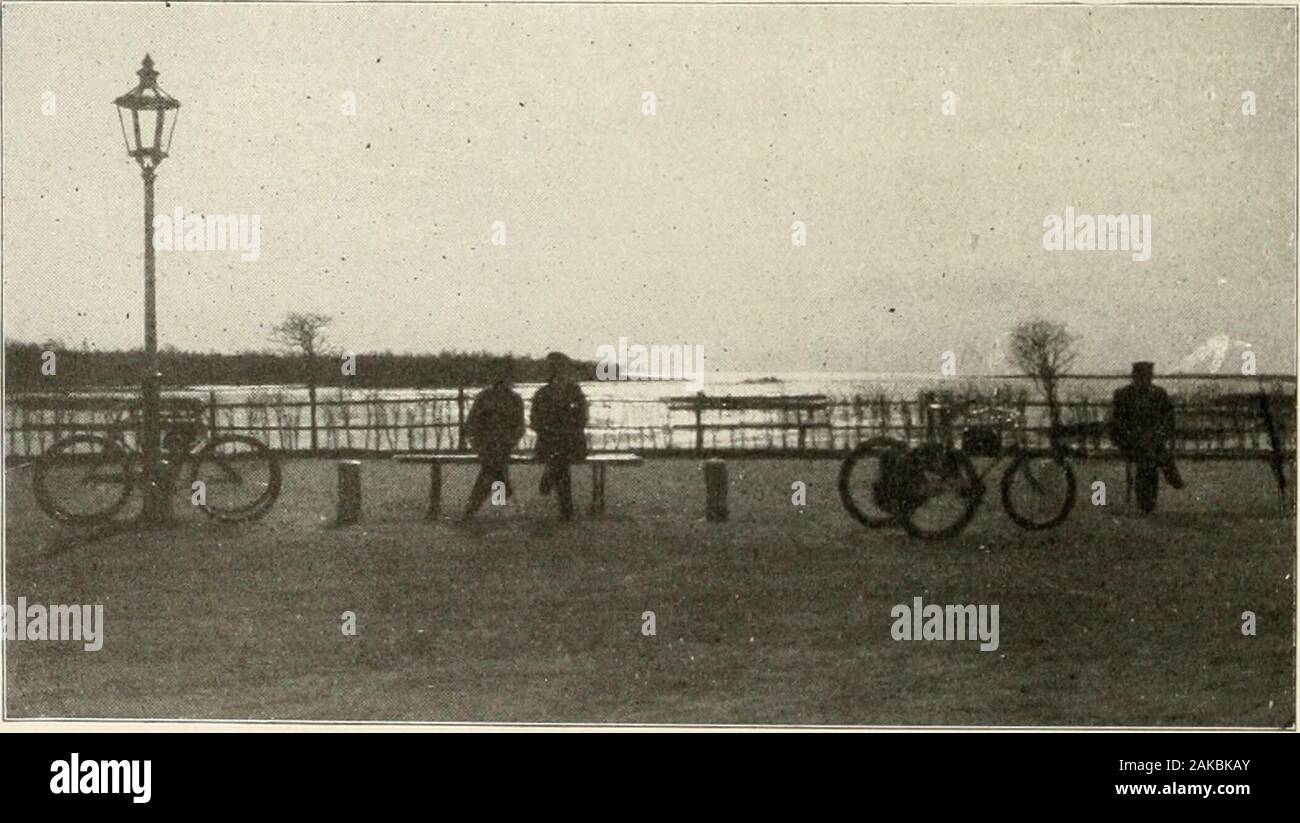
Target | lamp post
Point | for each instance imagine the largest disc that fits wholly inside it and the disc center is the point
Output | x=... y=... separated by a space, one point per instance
x=147 y=107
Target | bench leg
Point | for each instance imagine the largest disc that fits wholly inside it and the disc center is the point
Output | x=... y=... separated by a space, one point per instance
x=435 y=491
x=597 y=489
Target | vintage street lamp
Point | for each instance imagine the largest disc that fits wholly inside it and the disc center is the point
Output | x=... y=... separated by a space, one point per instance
x=148 y=107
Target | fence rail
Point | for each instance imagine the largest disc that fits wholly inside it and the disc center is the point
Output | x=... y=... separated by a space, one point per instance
x=1217 y=427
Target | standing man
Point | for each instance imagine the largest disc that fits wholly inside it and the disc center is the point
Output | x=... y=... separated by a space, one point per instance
x=494 y=426
x=559 y=416
x=1142 y=426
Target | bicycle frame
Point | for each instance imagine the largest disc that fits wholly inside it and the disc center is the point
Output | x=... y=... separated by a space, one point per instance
x=939 y=468
x=1003 y=420
x=189 y=420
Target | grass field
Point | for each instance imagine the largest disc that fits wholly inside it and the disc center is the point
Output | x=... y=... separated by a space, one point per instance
x=780 y=615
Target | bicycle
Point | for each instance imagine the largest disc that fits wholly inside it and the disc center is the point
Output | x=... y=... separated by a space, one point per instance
x=88 y=478
x=933 y=490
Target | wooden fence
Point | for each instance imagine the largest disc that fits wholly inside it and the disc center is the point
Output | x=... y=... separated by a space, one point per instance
x=808 y=425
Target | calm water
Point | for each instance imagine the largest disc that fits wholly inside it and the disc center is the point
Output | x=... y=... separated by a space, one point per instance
x=839 y=385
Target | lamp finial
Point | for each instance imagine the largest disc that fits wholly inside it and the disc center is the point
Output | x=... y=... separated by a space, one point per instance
x=147 y=75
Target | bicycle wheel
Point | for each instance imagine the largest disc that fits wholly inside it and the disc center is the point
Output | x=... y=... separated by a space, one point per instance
x=240 y=476
x=861 y=490
x=83 y=479
x=947 y=492
x=1038 y=491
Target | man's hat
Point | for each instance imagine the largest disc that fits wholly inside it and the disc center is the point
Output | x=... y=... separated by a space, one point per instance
x=1144 y=368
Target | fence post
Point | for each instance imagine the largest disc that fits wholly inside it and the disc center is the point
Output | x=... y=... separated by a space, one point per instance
x=1083 y=415
x=1254 y=433
x=699 y=423
x=212 y=413
x=1100 y=416
x=349 y=494
x=311 y=403
x=460 y=419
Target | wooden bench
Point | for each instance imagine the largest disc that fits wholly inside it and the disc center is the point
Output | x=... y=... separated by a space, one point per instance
x=599 y=462
x=798 y=412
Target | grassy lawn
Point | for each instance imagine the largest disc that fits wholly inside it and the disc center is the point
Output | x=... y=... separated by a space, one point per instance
x=780 y=615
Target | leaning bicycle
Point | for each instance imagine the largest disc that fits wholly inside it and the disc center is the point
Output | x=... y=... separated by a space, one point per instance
x=89 y=478
x=934 y=490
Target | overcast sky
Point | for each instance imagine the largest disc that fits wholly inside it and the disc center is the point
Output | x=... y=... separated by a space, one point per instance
x=924 y=230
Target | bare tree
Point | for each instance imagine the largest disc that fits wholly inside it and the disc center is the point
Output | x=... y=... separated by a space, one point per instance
x=304 y=334
x=1044 y=350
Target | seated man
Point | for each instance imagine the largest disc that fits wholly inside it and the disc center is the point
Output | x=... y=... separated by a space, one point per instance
x=494 y=426
x=1142 y=426
x=559 y=416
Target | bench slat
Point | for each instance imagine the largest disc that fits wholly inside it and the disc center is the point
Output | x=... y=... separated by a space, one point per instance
x=622 y=458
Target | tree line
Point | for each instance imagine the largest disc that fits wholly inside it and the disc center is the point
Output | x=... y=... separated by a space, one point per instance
x=29 y=367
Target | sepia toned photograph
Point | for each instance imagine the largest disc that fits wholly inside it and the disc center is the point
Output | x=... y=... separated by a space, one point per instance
x=650 y=364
